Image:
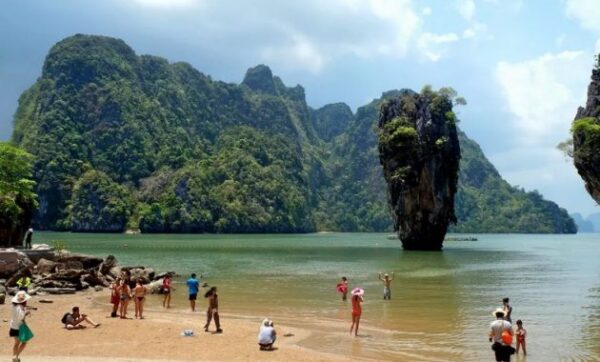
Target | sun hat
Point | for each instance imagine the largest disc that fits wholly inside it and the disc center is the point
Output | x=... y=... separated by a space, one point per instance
x=266 y=322
x=358 y=291
x=21 y=297
x=498 y=310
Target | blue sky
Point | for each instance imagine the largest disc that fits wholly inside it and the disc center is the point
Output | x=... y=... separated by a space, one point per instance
x=523 y=66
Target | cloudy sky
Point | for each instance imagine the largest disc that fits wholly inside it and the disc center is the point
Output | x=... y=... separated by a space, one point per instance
x=522 y=65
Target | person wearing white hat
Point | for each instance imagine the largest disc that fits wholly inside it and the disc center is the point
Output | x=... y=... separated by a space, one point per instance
x=266 y=335
x=502 y=350
x=19 y=312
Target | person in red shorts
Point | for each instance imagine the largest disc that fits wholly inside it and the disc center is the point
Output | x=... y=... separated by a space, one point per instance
x=357 y=299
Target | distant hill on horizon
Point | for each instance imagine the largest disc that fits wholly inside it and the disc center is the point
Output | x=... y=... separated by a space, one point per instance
x=132 y=141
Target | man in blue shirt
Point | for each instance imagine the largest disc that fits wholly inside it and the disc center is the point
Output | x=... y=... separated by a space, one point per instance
x=193 y=286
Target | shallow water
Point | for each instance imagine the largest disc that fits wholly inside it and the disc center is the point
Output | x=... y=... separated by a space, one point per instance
x=441 y=301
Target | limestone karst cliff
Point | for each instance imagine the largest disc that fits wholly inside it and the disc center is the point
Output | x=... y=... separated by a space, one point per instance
x=586 y=138
x=420 y=153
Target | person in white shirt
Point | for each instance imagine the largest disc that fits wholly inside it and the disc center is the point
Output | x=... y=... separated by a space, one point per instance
x=497 y=327
x=266 y=335
x=19 y=313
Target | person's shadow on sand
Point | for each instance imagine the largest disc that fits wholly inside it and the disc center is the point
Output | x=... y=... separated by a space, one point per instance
x=272 y=349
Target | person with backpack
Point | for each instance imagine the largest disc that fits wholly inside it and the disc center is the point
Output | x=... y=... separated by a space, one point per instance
x=74 y=319
x=501 y=335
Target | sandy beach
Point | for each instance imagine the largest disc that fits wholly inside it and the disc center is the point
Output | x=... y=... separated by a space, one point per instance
x=156 y=338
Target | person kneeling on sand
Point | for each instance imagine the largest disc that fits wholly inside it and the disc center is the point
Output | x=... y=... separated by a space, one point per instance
x=266 y=335
x=73 y=320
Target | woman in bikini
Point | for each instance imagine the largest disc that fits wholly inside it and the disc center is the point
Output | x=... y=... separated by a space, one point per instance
x=139 y=293
x=125 y=295
x=166 y=288
x=356 y=312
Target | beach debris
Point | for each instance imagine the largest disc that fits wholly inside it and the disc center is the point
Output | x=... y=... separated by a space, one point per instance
x=46 y=301
x=187 y=333
x=288 y=335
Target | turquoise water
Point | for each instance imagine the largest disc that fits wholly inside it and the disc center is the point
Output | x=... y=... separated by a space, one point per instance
x=441 y=301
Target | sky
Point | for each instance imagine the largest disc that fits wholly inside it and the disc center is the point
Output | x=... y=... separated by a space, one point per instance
x=523 y=66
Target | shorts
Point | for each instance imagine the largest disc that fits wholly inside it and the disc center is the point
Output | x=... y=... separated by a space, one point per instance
x=387 y=293
x=115 y=299
x=13 y=332
x=502 y=352
x=193 y=296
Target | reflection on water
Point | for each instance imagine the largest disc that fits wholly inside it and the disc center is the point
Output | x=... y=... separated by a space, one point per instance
x=441 y=301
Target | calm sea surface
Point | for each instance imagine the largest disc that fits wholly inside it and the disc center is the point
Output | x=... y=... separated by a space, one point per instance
x=441 y=301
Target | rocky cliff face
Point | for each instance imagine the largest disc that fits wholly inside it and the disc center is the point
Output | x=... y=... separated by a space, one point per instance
x=420 y=153
x=586 y=138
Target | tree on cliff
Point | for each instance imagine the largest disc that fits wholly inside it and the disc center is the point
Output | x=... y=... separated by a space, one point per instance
x=17 y=198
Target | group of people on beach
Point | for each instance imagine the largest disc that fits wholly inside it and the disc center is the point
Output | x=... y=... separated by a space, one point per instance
x=357 y=297
x=501 y=333
x=122 y=290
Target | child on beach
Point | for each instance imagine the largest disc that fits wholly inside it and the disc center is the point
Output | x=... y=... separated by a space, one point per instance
x=139 y=294
x=357 y=299
x=507 y=308
x=166 y=288
x=213 y=309
x=124 y=295
x=387 y=281
x=521 y=333
x=115 y=297
x=342 y=287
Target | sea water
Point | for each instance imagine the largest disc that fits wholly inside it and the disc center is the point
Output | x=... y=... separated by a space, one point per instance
x=441 y=304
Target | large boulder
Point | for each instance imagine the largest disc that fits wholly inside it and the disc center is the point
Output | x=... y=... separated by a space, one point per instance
x=45 y=266
x=11 y=261
x=108 y=264
x=87 y=261
x=420 y=153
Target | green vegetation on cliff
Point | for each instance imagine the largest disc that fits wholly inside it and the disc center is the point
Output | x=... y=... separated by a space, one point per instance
x=122 y=140
x=17 y=197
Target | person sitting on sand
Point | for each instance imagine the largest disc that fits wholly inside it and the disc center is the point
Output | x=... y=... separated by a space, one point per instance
x=266 y=335
x=213 y=309
x=166 y=289
x=139 y=294
x=387 y=281
x=124 y=295
x=115 y=297
x=73 y=320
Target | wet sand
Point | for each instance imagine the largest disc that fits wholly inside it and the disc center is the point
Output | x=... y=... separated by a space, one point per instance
x=157 y=337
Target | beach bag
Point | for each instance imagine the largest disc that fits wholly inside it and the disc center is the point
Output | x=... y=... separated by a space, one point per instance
x=63 y=320
x=507 y=338
x=25 y=334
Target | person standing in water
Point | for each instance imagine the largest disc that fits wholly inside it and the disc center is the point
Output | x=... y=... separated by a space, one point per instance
x=357 y=299
x=507 y=308
x=213 y=309
x=342 y=287
x=387 y=281
x=193 y=286
x=521 y=334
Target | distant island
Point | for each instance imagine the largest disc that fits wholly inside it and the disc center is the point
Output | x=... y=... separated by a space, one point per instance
x=122 y=141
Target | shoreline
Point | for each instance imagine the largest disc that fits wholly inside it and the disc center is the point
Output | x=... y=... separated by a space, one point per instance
x=155 y=338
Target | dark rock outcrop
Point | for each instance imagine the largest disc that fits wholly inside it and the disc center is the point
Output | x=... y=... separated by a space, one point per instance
x=586 y=138
x=420 y=153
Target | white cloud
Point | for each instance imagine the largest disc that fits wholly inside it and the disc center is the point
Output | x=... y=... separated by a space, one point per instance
x=300 y=54
x=426 y=11
x=543 y=94
x=475 y=31
x=560 y=40
x=168 y=4
x=433 y=46
x=587 y=12
x=466 y=8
